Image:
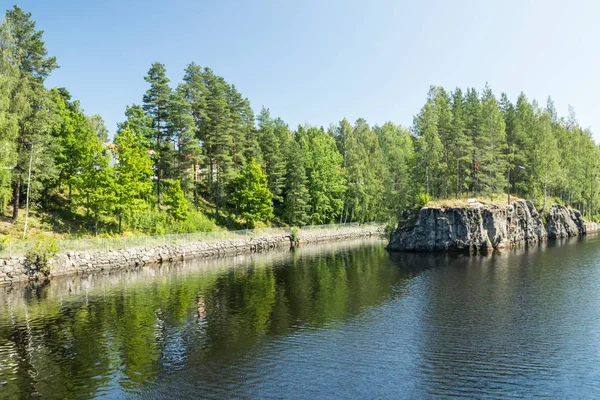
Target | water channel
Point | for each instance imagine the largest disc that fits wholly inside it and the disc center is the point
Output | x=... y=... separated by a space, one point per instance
x=343 y=320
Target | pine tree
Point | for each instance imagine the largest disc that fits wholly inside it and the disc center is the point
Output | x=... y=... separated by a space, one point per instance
x=10 y=100
x=271 y=153
x=441 y=99
x=156 y=104
x=492 y=141
x=215 y=133
x=181 y=127
x=545 y=154
x=521 y=144
x=238 y=126
x=462 y=144
x=30 y=57
x=473 y=124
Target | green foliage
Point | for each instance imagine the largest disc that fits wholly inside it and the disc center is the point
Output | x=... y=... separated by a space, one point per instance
x=421 y=200
x=252 y=195
x=37 y=259
x=271 y=134
x=148 y=221
x=195 y=222
x=132 y=173
x=297 y=198
x=295 y=235
x=326 y=182
x=197 y=139
x=178 y=208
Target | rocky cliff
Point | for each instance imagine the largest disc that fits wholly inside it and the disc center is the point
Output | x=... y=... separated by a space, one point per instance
x=483 y=228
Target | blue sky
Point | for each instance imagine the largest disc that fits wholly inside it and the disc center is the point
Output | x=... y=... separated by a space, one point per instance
x=318 y=61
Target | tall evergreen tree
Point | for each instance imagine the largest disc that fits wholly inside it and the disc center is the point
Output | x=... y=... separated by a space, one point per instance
x=10 y=100
x=462 y=144
x=30 y=57
x=181 y=127
x=156 y=104
x=270 y=145
x=492 y=143
x=441 y=99
x=215 y=133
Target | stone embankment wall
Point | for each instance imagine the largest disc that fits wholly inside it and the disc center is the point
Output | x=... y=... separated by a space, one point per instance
x=485 y=228
x=16 y=269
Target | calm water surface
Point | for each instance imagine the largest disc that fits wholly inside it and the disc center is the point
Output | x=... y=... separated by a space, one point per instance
x=335 y=321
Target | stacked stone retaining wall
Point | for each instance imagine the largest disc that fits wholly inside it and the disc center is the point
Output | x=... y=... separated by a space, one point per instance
x=15 y=269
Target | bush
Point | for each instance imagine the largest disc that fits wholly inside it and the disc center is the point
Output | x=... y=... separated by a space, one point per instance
x=154 y=222
x=4 y=242
x=37 y=259
x=195 y=222
x=421 y=200
x=295 y=235
x=150 y=222
x=178 y=208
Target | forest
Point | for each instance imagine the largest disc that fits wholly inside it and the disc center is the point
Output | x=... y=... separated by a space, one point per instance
x=193 y=156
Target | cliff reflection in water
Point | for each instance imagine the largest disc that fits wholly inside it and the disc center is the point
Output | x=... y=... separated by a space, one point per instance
x=85 y=336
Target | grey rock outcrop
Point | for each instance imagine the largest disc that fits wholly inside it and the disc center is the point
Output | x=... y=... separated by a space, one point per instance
x=564 y=222
x=483 y=228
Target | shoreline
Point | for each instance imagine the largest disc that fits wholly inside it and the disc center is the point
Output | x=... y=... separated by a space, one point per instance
x=15 y=269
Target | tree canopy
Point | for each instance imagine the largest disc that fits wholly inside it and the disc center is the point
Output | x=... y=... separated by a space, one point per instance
x=195 y=147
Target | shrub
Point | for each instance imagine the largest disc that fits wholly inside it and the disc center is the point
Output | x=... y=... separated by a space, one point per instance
x=421 y=200
x=295 y=235
x=37 y=259
x=195 y=222
x=176 y=202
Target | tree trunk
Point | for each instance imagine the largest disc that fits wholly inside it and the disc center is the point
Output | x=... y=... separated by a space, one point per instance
x=120 y=222
x=16 y=199
x=457 y=178
x=217 y=193
x=158 y=159
x=195 y=186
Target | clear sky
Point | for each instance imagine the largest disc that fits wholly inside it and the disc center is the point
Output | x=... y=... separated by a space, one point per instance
x=318 y=61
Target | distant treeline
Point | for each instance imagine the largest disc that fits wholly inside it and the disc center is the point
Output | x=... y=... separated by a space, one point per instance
x=198 y=143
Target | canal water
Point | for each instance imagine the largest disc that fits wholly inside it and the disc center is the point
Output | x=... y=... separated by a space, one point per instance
x=345 y=320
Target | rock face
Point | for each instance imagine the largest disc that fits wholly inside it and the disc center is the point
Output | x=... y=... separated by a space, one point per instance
x=485 y=228
x=564 y=222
